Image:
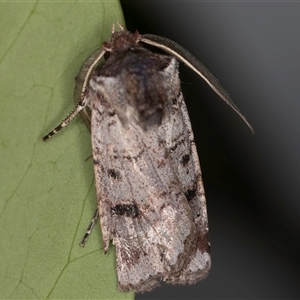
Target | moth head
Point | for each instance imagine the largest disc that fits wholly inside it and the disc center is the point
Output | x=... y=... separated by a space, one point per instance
x=121 y=41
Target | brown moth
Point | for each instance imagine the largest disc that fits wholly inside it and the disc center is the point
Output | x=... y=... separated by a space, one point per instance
x=150 y=193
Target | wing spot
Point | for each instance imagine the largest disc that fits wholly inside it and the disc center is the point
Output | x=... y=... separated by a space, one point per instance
x=114 y=174
x=185 y=159
x=190 y=194
x=96 y=162
x=127 y=210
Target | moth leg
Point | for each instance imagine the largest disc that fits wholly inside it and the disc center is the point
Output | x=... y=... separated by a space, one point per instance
x=81 y=105
x=90 y=228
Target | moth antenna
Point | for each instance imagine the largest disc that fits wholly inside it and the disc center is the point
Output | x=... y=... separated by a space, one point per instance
x=81 y=105
x=82 y=80
x=120 y=26
x=84 y=74
x=113 y=29
x=196 y=65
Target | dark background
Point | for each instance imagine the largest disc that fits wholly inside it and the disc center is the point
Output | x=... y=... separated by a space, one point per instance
x=252 y=181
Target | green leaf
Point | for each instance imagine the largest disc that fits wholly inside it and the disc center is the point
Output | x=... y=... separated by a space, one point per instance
x=47 y=189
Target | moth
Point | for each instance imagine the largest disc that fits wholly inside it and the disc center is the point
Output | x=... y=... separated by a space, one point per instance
x=150 y=194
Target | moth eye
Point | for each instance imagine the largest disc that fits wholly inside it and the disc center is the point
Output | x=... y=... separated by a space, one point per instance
x=106 y=55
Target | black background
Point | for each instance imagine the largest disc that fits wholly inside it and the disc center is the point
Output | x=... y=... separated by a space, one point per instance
x=252 y=181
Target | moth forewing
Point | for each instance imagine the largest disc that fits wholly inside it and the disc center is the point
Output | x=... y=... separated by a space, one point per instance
x=152 y=208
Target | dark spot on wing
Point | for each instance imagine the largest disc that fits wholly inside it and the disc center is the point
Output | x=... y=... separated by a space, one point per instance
x=185 y=159
x=177 y=142
x=190 y=194
x=128 y=210
x=114 y=174
x=175 y=100
x=96 y=162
